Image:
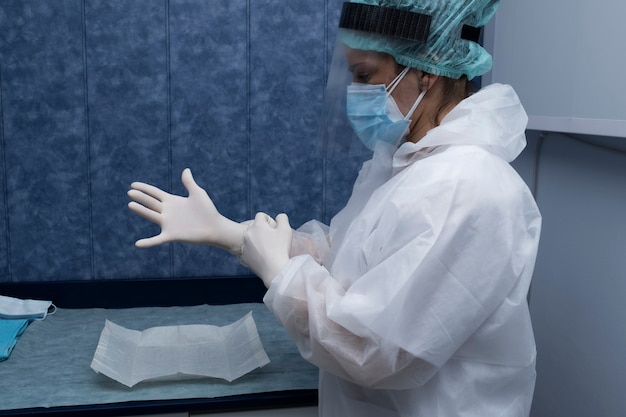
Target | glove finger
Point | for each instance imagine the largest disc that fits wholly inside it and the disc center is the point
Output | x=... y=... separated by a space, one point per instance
x=190 y=184
x=260 y=217
x=263 y=219
x=146 y=200
x=150 y=190
x=150 y=242
x=282 y=222
x=144 y=212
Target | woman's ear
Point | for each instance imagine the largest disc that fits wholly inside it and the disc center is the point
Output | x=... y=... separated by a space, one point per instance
x=426 y=80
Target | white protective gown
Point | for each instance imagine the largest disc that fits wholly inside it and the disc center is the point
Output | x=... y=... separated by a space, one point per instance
x=417 y=307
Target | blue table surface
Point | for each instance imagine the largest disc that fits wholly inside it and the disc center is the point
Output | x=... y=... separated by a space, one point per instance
x=49 y=367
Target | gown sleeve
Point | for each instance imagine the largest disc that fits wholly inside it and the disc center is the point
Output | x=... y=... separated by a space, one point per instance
x=311 y=239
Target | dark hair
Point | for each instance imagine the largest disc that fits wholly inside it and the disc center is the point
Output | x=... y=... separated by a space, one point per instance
x=454 y=91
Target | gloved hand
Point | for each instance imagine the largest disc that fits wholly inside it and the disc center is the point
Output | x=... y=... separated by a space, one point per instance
x=192 y=219
x=266 y=246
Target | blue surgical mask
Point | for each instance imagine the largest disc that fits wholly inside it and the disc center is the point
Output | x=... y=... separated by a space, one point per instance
x=10 y=332
x=15 y=316
x=374 y=114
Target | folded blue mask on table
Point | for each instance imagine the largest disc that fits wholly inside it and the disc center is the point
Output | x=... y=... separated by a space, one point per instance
x=15 y=316
x=10 y=331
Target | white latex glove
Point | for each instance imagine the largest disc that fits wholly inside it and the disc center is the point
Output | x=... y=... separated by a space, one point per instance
x=266 y=246
x=192 y=219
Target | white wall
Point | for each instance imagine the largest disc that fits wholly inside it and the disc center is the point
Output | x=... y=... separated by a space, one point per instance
x=565 y=58
x=578 y=295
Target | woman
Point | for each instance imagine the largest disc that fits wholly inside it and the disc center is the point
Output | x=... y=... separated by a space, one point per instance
x=413 y=301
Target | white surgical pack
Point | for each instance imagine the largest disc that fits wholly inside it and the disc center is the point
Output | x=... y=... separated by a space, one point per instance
x=179 y=352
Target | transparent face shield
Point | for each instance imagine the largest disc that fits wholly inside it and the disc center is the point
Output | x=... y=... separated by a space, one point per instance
x=354 y=76
x=355 y=117
x=336 y=136
x=359 y=109
x=342 y=150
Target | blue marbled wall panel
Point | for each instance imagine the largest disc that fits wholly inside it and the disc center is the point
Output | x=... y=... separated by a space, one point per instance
x=5 y=273
x=96 y=94
x=287 y=56
x=209 y=101
x=44 y=130
x=126 y=59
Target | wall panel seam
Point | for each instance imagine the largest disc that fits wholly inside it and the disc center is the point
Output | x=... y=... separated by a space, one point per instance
x=324 y=213
x=248 y=116
x=86 y=116
x=168 y=79
x=5 y=187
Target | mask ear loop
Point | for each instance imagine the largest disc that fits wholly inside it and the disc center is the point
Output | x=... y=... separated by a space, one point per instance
x=396 y=81
x=414 y=106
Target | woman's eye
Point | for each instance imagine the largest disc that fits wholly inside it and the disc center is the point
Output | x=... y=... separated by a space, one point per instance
x=362 y=77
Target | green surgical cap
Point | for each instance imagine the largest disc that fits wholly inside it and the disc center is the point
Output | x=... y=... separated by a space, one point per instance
x=445 y=52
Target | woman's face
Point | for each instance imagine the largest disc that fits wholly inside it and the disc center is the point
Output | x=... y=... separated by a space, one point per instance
x=369 y=67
